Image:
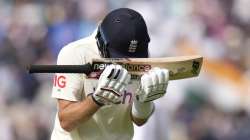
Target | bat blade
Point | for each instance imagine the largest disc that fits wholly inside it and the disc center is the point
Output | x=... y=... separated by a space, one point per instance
x=180 y=67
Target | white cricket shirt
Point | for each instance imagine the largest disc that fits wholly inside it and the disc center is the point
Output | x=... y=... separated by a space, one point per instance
x=109 y=122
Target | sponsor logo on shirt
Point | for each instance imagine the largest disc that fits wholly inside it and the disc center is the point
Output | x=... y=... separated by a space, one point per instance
x=127 y=97
x=59 y=81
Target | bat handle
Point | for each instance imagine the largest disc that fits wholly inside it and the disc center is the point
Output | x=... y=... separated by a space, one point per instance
x=86 y=69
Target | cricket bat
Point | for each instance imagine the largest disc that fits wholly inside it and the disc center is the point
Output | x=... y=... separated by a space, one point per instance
x=179 y=67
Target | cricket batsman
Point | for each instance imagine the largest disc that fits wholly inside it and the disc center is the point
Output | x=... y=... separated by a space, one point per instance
x=106 y=108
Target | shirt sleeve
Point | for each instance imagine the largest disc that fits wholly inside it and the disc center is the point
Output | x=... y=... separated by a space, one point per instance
x=68 y=86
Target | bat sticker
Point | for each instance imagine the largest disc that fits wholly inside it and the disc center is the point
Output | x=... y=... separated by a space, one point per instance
x=195 y=66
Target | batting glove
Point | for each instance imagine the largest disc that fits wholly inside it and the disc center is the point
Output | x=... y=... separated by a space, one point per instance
x=111 y=84
x=153 y=85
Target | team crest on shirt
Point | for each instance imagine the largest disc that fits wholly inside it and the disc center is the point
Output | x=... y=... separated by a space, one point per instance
x=132 y=46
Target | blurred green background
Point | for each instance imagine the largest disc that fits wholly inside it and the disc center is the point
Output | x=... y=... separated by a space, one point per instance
x=213 y=106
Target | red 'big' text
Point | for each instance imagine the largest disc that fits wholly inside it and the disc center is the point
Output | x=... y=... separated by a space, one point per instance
x=60 y=81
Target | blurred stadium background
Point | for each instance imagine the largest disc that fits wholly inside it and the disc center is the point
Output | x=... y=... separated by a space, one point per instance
x=214 y=106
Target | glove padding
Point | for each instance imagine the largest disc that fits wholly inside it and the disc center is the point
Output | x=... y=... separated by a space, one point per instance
x=153 y=85
x=111 y=84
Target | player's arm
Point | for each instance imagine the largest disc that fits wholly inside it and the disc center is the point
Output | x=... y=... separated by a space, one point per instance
x=72 y=108
x=71 y=113
x=111 y=83
x=153 y=85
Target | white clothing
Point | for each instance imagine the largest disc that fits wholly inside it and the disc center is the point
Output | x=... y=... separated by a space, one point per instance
x=109 y=122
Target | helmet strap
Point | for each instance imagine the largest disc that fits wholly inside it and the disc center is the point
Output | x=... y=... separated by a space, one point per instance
x=102 y=43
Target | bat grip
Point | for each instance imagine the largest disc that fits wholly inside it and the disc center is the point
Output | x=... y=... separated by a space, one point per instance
x=86 y=69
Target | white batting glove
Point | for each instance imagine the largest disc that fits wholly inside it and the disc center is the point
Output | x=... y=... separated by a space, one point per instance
x=153 y=85
x=111 y=84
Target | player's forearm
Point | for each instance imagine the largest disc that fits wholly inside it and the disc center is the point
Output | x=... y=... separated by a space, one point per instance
x=76 y=112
